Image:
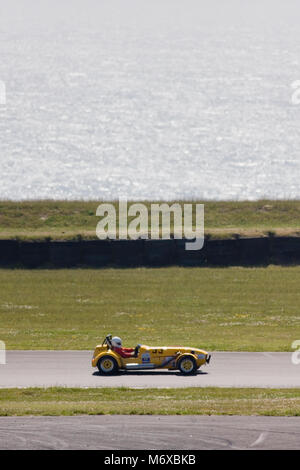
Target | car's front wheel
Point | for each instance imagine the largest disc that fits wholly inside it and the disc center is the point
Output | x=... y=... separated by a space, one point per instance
x=107 y=365
x=187 y=365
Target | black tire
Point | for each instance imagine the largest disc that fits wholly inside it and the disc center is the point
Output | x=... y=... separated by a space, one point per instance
x=107 y=365
x=187 y=365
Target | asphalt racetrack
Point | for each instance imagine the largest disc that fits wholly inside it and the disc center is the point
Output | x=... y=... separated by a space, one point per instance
x=150 y=432
x=73 y=369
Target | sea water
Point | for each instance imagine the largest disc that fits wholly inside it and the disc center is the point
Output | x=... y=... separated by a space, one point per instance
x=149 y=99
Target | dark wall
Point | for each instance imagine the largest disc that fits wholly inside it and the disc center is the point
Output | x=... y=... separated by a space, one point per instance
x=128 y=253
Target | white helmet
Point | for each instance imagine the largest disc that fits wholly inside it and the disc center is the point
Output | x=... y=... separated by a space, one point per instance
x=116 y=342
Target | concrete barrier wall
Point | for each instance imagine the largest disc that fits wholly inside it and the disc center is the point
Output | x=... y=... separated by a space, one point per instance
x=9 y=252
x=32 y=255
x=96 y=254
x=130 y=253
x=160 y=252
x=64 y=254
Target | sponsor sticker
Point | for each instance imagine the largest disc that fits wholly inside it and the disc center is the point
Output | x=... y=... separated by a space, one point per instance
x=146 y=357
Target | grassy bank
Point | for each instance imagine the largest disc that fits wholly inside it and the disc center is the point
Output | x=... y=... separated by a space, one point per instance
x=189 y=401
x=73 y=219
x=249 y=309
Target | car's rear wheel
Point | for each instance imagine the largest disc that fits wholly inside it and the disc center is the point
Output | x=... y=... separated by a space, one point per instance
x=107 y=365
x=187 y=365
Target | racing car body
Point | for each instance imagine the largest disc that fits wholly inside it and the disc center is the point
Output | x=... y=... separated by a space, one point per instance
x=187 y=360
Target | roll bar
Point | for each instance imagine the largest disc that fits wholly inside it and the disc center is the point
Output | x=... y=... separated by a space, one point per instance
x=107 y=340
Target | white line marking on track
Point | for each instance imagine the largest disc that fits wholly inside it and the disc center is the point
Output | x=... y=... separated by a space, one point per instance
x=261 y=438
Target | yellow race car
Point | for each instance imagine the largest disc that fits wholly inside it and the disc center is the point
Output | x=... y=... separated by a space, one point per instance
x=109 y=360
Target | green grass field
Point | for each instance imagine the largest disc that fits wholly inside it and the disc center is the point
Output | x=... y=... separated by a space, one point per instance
x=248 y=309
x=71 y=219
x=191 y=401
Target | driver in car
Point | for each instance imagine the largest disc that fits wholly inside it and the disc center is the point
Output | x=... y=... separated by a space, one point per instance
x=116 y=343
